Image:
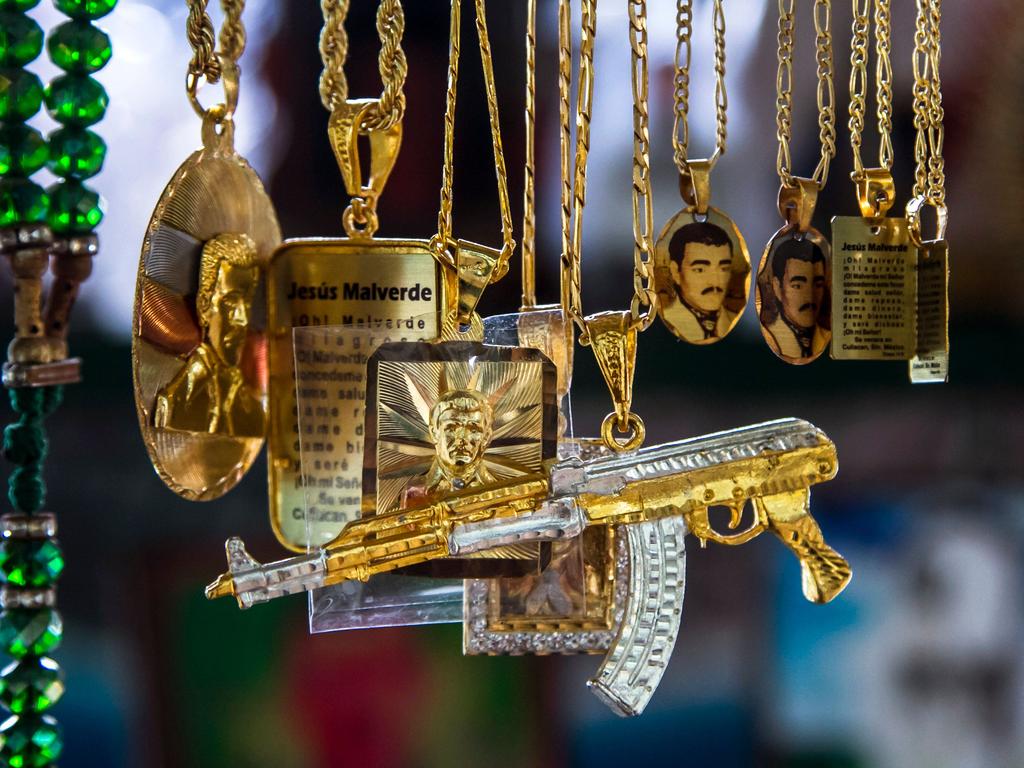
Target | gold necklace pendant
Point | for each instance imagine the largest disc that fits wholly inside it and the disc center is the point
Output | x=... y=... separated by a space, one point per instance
x=446 y=417
x=393 y=288
x=873 y=277
x=793 y=291
x=198 y=344
x=701 y=266
x=930 y=361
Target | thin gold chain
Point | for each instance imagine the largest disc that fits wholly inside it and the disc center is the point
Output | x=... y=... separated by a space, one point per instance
x=681 y=92
x=883 y=81
x=444 y=216
x=206 y=61
x=825 y=90
x=642 y=305
x=936 y=132
x=569 y=282
x=584 y=103
x=859 y=81
x=529 y=184
x=391 y=61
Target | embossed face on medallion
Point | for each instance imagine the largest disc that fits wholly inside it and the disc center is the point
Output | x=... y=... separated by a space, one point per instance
x=209 y=394
x=793 y=297
x=460 y=426
x=703 y=274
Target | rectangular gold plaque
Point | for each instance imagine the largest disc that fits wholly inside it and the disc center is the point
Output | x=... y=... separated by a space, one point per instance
x=873 y=287
x=396 y=290
x=931 y=363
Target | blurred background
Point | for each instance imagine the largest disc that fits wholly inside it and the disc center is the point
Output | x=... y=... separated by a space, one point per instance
x=918 y=663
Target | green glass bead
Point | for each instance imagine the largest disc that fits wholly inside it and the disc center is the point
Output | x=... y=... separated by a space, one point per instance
x=23 y=150
x=35 y=563
x=74 y=208
x=89 y=10
x=76 y=152
x=76 y=100
x=18 y=5
x=26 y=631
x=21 y=202
x=21 y=93
x=32 y=741
x=21 y=39
x=31 y=685
x=78 y=46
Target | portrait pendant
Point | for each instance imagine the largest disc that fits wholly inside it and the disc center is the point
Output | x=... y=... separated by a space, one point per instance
x=702 y=275
x=873 y=287
x=793 y=294
x=198 y=332
x=445 y=417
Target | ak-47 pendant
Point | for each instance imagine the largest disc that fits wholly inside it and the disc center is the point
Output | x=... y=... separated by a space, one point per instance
x=198 y=345
x=793 y=293
x=392 y=288
x=657 y=495
x=873 y=279
x=701 y=265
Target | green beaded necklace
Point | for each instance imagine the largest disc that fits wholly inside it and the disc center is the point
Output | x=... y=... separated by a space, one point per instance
x=39 y=228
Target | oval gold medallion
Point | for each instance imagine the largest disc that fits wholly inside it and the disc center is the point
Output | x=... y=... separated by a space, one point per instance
x=794 y=296
x=198 y=332
x=702 y=273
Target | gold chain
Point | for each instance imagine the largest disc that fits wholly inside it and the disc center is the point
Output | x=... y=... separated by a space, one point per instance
x=570 y=271
x=681 y=94
x=859 y=81
x=529 y=183
x=929 y=177
x=212 y=64
x=391 y=62
x=936 y=134
x=443 y=239
x=572 y=256
x=825 y=91
x=642 y=306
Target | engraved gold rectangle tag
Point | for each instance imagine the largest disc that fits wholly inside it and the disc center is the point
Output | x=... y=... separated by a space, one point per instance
x=394 y=288
x=930 y=364
x=873 y=286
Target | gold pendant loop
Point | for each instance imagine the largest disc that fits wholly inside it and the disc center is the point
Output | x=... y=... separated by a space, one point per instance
x=635 y=432
x=876 y=191
x=613 y=338
x=344 y=129
x=695 y=184
x=474 y=264
x=229 y=78
x=914 y=209
x=796 y=202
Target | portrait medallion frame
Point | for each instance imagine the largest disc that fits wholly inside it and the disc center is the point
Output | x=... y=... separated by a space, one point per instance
x=676 y=316
x=213 y=193
x=821 y=335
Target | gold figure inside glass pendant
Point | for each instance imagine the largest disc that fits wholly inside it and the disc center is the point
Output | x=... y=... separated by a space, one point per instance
x=702 y=272
x=793 y=296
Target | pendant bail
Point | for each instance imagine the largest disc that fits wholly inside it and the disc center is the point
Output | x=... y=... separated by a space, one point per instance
x=344 y=129
x=474 y=264
x=612 y=335
x=796 y=202
x=695 y=184
x=876 y=191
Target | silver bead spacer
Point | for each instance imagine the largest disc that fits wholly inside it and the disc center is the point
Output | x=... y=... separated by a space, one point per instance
x=11 y=597
x=78 y=245
x=42 y=525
